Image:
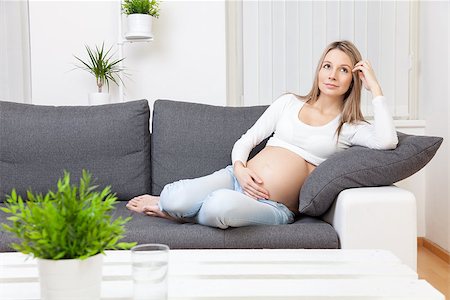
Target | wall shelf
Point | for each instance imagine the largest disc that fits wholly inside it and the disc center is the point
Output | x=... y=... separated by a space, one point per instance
x=124 y=41
x=121 y=40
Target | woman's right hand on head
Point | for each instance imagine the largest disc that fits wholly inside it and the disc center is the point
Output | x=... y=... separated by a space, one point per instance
x=368 y=78
x=250 y=182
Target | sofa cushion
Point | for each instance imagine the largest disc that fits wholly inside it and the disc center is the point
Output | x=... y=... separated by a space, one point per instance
x=306 y=232
x=360 y=166
x=190 y=140
x=111 y=141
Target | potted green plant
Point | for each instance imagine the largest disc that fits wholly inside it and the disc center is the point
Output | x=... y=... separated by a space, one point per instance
x=104 y=67
x=68 y=232
x=139 y=17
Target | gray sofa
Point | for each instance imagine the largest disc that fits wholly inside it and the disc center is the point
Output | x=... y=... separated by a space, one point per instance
x=188 y=140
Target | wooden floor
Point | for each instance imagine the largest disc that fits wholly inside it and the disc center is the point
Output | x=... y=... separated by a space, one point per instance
x=434 y=270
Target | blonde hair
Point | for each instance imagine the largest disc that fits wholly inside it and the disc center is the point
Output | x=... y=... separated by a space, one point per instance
x=351 y=112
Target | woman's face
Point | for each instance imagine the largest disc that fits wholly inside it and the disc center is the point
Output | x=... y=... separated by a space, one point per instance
x=335 y=75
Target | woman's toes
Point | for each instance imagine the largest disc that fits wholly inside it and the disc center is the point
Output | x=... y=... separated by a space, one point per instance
x=133 y=205
x=150 y=213
x=148 y=208
x=132 y=208
x=152 y=210
x=139 y=203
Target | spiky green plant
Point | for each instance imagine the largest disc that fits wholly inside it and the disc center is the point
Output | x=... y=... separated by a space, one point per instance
x=102 y=65
x=146 y=7
x=73 y=222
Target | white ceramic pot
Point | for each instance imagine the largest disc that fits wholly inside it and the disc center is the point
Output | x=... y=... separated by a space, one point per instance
x=139 y=27
x=70 y=279
x=98 y=98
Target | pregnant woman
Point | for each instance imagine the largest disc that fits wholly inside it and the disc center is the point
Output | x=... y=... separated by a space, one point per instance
x=307 y=130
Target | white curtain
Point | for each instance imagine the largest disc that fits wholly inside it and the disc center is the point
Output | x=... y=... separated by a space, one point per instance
x=283 y=40
x=15 y=70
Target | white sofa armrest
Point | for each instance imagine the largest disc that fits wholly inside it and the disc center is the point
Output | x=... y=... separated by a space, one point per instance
x=377 y=218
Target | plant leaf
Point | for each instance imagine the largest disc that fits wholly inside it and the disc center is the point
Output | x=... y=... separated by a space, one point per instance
x=74 y=221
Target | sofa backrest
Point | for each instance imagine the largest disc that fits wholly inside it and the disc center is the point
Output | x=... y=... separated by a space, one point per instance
x=111 y=141
x=191 y=140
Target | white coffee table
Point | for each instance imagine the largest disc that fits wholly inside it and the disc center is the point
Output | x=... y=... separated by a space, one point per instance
x=249 y=274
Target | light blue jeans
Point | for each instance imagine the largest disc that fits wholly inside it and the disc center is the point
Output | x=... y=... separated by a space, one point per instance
x=217 y=200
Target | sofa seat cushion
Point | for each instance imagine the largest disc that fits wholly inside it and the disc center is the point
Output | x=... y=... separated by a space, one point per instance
x=39 y=142
x=306 y=232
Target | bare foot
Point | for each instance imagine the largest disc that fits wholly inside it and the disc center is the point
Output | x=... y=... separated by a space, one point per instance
x=154 y=211
x=148 y=205
x=138 y=203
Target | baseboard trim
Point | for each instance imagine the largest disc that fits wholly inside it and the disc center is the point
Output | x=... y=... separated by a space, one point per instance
x=420 y=241
x=434 y=248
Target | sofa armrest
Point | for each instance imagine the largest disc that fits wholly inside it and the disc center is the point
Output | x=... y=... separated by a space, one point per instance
x=376 y=218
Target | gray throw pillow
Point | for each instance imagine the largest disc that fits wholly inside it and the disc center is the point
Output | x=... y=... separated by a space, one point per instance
x=111 y=141
x=360 y=167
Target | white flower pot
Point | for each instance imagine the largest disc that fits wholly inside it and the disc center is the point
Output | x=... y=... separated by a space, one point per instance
x=139 y=27
x=70 y=279
x=98 y=98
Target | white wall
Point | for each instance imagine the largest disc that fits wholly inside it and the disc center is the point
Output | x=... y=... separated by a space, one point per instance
x=434 y=95
x=186 y=60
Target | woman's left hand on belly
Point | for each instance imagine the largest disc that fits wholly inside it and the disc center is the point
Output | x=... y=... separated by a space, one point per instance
x=250 y=182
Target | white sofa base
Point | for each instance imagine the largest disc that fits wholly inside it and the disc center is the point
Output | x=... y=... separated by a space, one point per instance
x=377 y=218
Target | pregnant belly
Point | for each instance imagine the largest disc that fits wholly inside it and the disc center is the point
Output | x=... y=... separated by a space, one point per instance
x=283 y=174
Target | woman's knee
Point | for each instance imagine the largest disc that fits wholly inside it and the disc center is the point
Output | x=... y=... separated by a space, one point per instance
x=174 y=198
x=216 y=207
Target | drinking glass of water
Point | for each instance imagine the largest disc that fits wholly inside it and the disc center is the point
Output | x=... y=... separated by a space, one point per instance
x=150 y=264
